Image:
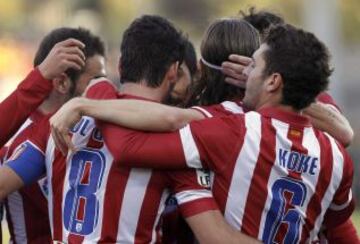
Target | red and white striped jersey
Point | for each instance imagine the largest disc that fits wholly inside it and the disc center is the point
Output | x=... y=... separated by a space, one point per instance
x=26 y=209
x=92 y=199
x=276 y=177
x=29 y=94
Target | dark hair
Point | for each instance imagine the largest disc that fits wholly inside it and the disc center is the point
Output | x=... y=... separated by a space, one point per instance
x=222 y=38
x=261 y=20
x=149 y=46
x=93 y=45
x=301 y=60
x=190 y=58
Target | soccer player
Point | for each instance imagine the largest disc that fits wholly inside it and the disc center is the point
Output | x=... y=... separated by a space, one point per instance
x=32 y=91
x=27 y=212
x=90 y=197
x=320 y=113
x=276 y=177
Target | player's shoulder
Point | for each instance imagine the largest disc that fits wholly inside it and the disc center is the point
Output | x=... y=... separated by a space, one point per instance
x=222 y=109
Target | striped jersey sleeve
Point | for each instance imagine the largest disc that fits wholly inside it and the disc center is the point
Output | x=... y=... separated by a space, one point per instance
x=22 y=102
x=27 y=157
x=209 y=143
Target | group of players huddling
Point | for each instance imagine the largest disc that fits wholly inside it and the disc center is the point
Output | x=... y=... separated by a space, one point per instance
x=246 y=146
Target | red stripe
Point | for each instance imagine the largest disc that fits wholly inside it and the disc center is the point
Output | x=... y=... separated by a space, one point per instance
x=75 y=239
x=150 y=207
x=113 y=198
x=35 y=207
x=326 y=165
x=85 y=178
x=257 y=195
x=80 y=213
x=57 y=183
x=222 y=181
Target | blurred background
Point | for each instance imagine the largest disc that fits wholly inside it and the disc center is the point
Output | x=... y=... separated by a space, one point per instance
x=337 y=23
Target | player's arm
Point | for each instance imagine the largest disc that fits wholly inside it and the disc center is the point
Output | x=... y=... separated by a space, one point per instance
x=25 y=166
x=328 y=118
x=191 y=189
x=343 y=204
x=134 y=114
x=210 y=227
x=343 y=234
x=37 y=85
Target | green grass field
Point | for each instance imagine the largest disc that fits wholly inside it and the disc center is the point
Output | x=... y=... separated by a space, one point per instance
x=355 y=219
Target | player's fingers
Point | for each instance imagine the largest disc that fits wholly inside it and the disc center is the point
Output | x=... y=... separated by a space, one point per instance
x=235 y=82
x=238 y=68
x=55 y=136
x=67 y=140
x=75 y=58
x=67 y=64
x=74 y=50
x=234 y=75
x=72 y=42
x=240 y=59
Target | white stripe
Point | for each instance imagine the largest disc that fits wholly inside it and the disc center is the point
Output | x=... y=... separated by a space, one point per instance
x=134 y=194
x=311 y=144
x=232 y=107
x=336 y=207
x=23 y=126
x=93 y=82
x=204 y=111
x=191 y=152
x=336 y=176
x=192 y=195
x=49 y=159
x=17 y=215
x=277 y=171
x=243 y=171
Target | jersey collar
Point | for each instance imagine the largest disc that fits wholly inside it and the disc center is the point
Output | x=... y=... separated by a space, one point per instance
x=285 y=116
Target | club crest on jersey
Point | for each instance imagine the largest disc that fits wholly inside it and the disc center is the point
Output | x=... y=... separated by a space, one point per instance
x=297 y=162
x=203 y=177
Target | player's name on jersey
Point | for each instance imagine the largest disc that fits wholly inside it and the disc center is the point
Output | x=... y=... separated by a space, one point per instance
x=297 y=162
x=83 y=126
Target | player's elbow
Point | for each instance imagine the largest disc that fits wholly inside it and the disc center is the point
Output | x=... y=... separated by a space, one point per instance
x=346 y=137
x=174 y=122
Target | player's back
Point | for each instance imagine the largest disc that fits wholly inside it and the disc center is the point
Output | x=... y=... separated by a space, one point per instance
x=95 y=200
x=280 y=176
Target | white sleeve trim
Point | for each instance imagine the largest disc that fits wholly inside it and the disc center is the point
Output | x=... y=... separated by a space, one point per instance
x=336 y=207
x=191 y=152
x=204 y=111
x=191 y=195
x=93 y=82
x=232 y=107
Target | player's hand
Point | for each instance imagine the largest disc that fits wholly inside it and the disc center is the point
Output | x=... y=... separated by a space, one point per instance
x=62 y=122
x=64 y=55
x=233 y=69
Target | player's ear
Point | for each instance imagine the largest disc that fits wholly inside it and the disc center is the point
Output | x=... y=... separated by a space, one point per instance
x=62 y=84
x=274 y=83
x=172 y=72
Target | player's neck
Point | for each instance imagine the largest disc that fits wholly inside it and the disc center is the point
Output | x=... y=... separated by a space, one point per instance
x=52 y=103
x=141 y=90
x=283 y=107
